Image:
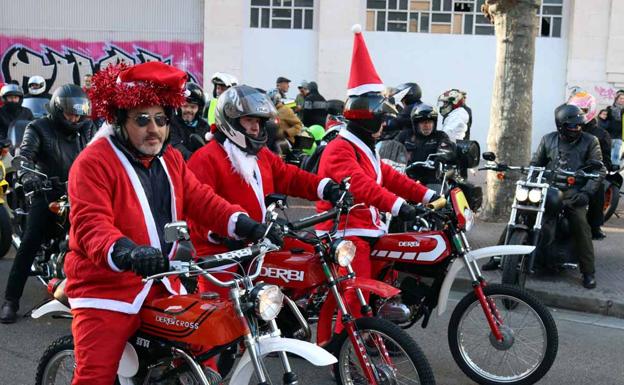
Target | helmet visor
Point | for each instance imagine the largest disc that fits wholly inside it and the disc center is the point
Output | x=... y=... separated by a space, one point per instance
x=75 y=105
x=246 y=101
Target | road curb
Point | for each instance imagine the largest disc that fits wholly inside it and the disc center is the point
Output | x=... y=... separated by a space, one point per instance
x=607 y=307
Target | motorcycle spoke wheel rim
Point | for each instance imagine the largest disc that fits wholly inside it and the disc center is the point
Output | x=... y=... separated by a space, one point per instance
x=351 y=373
x=513 y=363
x=60 y=367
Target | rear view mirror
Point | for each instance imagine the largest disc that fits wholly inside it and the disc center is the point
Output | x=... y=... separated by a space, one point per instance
x=489 y=156
x=176 y=231
x=275 y=198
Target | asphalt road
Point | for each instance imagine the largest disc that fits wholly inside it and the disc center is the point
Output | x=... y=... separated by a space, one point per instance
x=591 y=348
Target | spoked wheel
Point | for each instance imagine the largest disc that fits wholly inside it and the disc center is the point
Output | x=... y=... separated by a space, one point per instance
x=394 y=355
x=530 y=338
x=57 y=365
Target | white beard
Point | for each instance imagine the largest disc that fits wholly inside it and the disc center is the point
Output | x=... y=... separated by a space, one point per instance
x=242 y=163
x=105 y=131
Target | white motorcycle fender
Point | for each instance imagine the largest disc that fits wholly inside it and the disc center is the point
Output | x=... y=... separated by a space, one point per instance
x=312 y=353
x=128 y=365
x=52 y=306
x=475 y=255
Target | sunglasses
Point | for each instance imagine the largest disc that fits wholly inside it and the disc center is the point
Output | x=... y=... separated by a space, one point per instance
x=142 y=120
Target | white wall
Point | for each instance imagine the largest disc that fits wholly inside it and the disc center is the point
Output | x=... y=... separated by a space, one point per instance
x=269 y=53
x=438 y=62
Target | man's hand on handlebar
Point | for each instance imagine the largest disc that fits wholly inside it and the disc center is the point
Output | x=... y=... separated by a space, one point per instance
x=31 y=182
x=249 y=229
x=143 y=260
x=333 y=192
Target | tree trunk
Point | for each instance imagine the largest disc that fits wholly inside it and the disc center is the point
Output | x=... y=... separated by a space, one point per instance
x=509 y=137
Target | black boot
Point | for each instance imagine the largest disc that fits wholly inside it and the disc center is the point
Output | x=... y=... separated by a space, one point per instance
x=8 y=312
x=492 y=264
x=589 y=281
x=598 y=234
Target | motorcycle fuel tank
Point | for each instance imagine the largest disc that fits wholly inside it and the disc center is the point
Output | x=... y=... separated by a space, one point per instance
x=424 y=248
x=295 y=267
x=192 y=319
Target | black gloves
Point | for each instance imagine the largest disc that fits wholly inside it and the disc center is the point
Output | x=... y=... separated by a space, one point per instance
x=31 y=182
x=249 y=229
x=579 y=199
x=143 y=260
x=407 y=212
x=332 y=193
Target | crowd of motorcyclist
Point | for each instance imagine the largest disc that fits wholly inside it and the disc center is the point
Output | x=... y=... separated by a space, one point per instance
x=129 y=182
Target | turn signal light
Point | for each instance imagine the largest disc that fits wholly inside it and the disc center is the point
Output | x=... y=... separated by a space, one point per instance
x=500 y=175
x=571 y=180
x=55 y=207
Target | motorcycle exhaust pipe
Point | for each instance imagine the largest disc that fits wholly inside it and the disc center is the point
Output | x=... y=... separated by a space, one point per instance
x=215 y=378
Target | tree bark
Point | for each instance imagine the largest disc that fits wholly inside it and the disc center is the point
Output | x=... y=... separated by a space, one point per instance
x=509 y=137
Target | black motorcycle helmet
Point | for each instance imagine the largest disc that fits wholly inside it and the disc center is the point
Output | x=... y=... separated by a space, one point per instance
x=239 y=101
x=195 y=95
x=421 y=113
x=12 y=90
x=413 y=95
x=569 y=119
x=335 y=106
x=368 y=111
x=69 y=99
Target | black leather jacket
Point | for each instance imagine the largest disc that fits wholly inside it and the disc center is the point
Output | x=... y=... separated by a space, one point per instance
x=8 y=116
x=419 y=147
x=52 y=148
x=554 y=153
x=181 y=135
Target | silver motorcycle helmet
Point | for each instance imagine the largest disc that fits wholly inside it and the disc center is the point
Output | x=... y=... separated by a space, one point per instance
x=240 y=101
x=36 y=85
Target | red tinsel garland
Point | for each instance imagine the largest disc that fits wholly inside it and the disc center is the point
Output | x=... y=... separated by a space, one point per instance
x=107 y=95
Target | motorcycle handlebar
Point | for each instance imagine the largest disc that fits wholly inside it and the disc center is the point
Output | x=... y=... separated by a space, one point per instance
x=314 y=219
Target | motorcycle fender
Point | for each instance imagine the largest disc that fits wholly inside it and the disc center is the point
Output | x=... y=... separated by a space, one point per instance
x=312 y=353
x=475 y=255
x=129 y=363
x=52 y=306
x=381 y=289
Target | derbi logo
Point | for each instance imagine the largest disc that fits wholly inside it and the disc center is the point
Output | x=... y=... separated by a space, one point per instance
x=283 y=274
x=409 y=244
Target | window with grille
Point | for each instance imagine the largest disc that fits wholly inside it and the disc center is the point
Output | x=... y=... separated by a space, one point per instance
x=288 y=14
x=449 y=16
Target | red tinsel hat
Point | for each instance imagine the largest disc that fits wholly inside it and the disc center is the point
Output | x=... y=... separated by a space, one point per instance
x=121 y=87
x=363 y=77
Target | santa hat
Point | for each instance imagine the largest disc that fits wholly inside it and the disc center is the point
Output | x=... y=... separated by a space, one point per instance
x=363 y=77
x=121 y=87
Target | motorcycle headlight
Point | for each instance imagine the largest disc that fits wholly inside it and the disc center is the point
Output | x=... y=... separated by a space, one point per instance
x=343 y=252
x=522 y=194
x=268 y=301
x=535 y=195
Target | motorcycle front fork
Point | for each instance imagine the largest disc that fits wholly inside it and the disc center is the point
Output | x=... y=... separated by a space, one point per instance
x=492 y=315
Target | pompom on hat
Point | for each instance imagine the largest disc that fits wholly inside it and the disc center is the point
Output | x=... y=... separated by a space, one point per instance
x=121 y=87
x=363 y=77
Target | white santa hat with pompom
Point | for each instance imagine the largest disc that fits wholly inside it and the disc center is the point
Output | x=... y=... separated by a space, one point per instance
x=363 y=77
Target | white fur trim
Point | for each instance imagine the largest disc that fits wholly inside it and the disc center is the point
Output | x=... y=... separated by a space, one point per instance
x=356 y=28
x=364 y=88
x=111 y=304
x=321 y=186
x=232 y=225
x=209 y=136
x=373 y=158
x=396 y=207
x=105 y=131
x=428 y=196
x=110 y=259
x=138 y=189
x=246 y=166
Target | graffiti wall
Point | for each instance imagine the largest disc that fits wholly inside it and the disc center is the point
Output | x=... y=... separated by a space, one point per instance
x=68 y=61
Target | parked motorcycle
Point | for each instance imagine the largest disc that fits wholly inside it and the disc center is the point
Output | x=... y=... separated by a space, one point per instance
x=165 y=349
x=538 y=218
x=498 y=334
x=315 y=273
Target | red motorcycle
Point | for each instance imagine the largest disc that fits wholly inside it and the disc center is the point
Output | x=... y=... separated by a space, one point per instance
x=497 y=334
x=315 y=272
x=180 y=332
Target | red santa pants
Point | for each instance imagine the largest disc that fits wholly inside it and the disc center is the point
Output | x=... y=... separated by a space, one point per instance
x=363 y=268
x=99 y=340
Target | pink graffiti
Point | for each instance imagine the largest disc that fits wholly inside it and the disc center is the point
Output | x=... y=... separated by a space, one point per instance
x=605 y=93
x=68 y=60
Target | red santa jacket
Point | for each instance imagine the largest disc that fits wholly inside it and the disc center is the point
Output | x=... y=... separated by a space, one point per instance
x=211 y=165
x=108 y=203
x=373 y=183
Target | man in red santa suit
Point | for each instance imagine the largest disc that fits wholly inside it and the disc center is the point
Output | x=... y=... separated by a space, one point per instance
x=124 y=187
x=240 y=168
x=373 y=183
